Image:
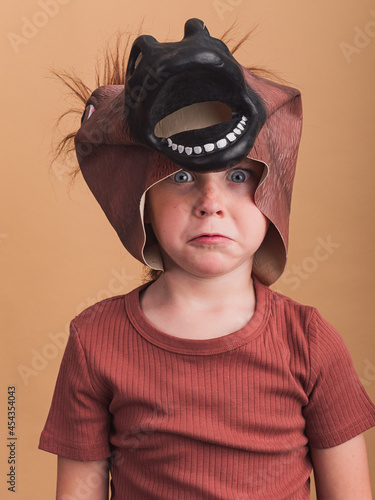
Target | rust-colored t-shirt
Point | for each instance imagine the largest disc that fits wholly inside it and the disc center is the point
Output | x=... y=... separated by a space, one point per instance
x=225 y=418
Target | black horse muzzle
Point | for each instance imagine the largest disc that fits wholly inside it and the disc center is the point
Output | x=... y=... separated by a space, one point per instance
x=189 y=100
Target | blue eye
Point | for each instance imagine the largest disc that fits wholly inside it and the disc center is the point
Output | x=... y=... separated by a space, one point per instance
x=182 y=176
x=239 y=175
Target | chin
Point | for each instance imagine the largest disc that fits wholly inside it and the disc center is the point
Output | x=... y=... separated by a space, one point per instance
x=212 y=268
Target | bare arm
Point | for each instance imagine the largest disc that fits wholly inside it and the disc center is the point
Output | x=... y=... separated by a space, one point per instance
x=341 y=472
x=76 y=480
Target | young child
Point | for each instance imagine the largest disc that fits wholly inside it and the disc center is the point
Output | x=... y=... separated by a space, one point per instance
x=203 y=383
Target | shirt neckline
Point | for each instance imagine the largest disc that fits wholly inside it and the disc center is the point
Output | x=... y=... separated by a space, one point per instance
x=205 y=346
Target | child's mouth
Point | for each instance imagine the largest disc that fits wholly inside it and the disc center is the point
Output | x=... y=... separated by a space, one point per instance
x=210 y=239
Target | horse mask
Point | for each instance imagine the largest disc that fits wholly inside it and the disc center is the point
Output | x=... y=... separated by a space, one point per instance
x=191 y=105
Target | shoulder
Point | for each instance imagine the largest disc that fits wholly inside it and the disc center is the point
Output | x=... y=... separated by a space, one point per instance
x=302 y=323
x=101 y=334
x=104 y=316
x=283 y=307
x=306 y=327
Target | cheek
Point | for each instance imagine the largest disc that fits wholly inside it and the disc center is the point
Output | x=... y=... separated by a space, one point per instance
x=165 y=210
x=255 y=223
x=158 y=214
x=153 y=205
x=263 y=222
x=267 y=222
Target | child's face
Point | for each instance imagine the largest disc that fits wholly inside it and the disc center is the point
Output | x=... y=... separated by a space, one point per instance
x=207 y=224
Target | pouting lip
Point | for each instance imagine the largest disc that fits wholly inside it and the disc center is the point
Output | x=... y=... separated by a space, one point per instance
x=210 y=235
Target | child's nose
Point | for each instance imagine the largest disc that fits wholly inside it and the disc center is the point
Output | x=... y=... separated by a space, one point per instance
x=209 y=200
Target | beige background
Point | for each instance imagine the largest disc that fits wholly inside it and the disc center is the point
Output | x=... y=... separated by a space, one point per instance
x=58 y=253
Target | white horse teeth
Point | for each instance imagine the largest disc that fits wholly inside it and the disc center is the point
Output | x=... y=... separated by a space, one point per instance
x=222 y=143
x=209 y=147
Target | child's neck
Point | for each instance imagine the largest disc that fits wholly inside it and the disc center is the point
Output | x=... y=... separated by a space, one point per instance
x=200 y=308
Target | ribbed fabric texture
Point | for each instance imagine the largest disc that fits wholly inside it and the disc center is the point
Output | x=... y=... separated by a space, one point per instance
x=225 y=418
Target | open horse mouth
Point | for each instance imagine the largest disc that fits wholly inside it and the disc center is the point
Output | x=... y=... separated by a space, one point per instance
x=201 y=128
x=189 y=100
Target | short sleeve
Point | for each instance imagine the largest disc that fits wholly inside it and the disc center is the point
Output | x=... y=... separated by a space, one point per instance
x=339 y=407
x=78 y=423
